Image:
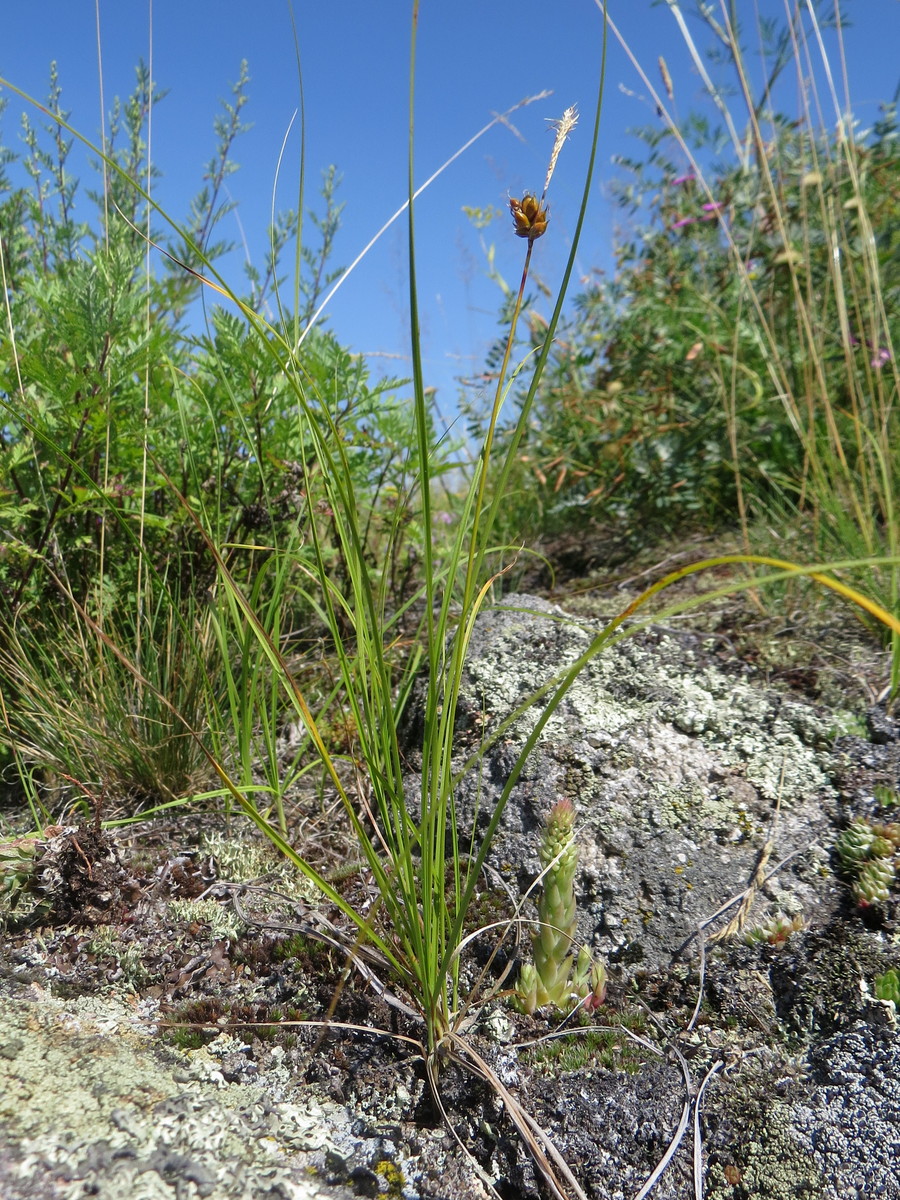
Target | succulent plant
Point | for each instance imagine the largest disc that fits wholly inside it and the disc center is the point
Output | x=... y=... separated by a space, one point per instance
x=557 y=976
x=589 y=980
x=882 y=847
x=775 y=931
x=854 y=845
x=885 y=795
x=873 y=885
x=887 y=986
x=890 y=833
x=868 y=858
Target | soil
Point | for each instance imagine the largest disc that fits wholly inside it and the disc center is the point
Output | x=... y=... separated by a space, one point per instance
x=179 y=1016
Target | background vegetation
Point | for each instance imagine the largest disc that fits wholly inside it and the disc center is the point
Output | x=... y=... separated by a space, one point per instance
x=739 y=364
x=119 y=422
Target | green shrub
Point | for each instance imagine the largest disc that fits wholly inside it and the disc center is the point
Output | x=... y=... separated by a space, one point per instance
x=127 y=441
x=741 y=361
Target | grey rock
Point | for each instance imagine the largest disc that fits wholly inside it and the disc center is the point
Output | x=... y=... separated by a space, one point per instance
x=680 y=774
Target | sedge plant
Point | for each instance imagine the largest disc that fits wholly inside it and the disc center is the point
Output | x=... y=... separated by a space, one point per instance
x=424 y=867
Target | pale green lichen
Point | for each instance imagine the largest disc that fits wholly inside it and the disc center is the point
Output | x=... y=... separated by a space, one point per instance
x=80 y=1081
x=248 y=859
x=770 y=1164
x=774 y=742
x=107 y=943
x=695 y=806
x=242 y=859
x=220 y=918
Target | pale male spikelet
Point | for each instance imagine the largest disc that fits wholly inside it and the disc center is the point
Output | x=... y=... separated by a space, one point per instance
x=666 y=78
x=562 y=127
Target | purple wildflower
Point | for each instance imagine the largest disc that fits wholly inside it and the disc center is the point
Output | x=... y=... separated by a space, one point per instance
x=684 y=221
x=689 y=178
x=880 y=358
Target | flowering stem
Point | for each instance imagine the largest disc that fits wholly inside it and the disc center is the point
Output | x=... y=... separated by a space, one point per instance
x=530 y=217
x=495 y=414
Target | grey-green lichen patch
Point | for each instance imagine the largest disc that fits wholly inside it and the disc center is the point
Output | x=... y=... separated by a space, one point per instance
x=504 y=678
x=774 y=1166
x=220 y=918
x=108 y=943
x=751 y=1148
x=242 y=859
x=772 y=739
x=692 y=806
x=88 y=1106
x=92 y=1103
x=824 y=1128
x=244 y=856
x=679 y=772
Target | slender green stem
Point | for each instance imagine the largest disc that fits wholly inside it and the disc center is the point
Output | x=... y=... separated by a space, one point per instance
x=484 y=457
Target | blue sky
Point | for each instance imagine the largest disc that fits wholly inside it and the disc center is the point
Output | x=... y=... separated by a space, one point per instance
x=474 y=58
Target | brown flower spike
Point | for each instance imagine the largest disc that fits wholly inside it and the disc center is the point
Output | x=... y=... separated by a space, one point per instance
x=529 y=216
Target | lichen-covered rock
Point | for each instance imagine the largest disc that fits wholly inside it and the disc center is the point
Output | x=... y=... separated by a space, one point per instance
x=849 y=1125
x=90 y=1105
x=680 y=773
